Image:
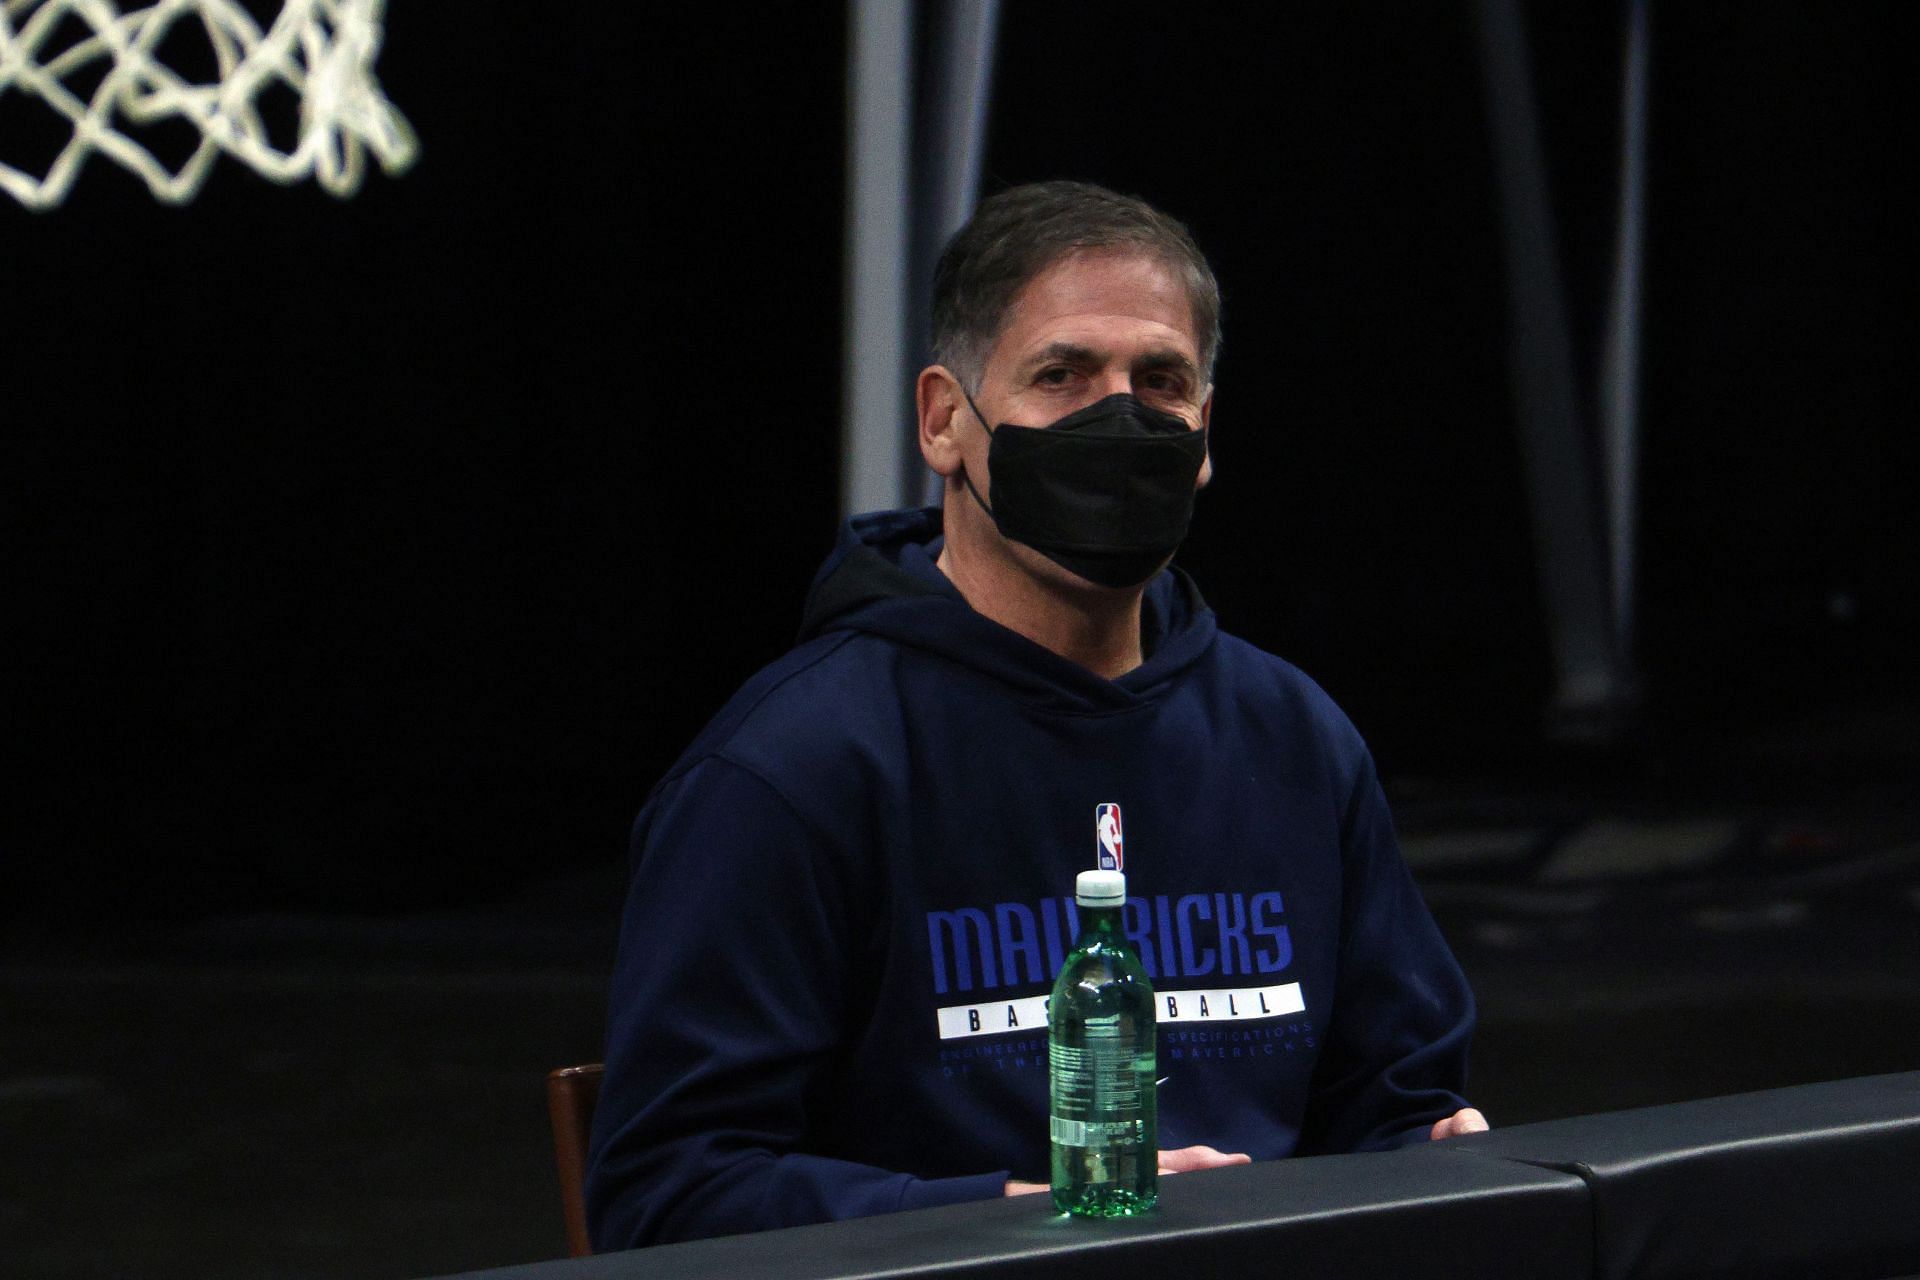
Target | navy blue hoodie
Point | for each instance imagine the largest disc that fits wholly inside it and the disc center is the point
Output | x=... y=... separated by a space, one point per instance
x=851 y=894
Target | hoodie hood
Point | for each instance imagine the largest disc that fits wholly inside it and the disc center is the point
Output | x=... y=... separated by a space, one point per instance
x=882 y=580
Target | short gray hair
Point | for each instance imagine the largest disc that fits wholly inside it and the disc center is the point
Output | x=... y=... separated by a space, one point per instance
x=1019 y=233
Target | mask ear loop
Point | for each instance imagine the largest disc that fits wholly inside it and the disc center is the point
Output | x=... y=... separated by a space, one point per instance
x=965 y=478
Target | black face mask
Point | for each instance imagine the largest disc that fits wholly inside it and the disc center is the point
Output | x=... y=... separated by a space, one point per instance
x=1106 y=492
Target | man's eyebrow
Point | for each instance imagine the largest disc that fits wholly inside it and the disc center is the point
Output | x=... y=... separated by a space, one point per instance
x=1074 y=353
x=1063 y=353
x=1166 y=360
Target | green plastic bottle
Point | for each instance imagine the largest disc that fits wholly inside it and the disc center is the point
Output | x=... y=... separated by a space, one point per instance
x=1100 y=1059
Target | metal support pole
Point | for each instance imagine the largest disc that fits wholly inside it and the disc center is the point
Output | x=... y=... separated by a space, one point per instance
x=1620 y=362
x=956 y=84
x=1561 y=485
x=879 y=101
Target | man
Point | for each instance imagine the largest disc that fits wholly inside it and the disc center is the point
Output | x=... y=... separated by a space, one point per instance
x=852 y=892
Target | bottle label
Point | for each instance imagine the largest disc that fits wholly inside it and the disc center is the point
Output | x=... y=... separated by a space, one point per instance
x=1097 y=1087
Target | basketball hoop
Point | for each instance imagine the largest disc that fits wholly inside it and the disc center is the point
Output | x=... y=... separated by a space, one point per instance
x=320 y=50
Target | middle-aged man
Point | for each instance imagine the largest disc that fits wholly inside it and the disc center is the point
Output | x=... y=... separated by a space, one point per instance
x=851 y=893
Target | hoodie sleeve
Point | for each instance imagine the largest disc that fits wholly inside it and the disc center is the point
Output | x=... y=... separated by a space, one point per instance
x=1394 y=1058
x=729 y=996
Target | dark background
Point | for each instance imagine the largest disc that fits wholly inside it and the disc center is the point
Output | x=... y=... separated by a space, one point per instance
x=367 y=560
x=384 y=550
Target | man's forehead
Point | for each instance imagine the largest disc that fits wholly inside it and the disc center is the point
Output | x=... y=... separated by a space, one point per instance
x=1093 y=299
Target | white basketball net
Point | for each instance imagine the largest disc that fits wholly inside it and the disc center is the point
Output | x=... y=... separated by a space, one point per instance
x=323 y=50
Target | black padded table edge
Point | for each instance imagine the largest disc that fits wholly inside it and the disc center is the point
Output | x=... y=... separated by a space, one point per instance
x=1815 y=1180
x=1414 y=1213
x=1812 y=1181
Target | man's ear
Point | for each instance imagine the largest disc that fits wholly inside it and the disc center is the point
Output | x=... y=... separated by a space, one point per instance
x=1206 y=420
x=937 y=397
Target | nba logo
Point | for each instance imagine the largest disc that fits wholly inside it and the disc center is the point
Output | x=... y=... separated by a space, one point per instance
x=1108 y=840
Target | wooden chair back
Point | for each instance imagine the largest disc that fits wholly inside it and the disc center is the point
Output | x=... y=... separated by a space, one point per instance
x=572 y=1093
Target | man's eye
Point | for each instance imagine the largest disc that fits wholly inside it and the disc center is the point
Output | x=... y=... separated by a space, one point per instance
x=1054 y=376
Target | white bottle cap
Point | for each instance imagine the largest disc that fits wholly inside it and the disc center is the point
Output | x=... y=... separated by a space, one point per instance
x=1100 y=888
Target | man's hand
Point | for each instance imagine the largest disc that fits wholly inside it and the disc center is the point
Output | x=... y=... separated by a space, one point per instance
x=1183 y=1160
x=1187 y=1159
x=1466 y=1120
